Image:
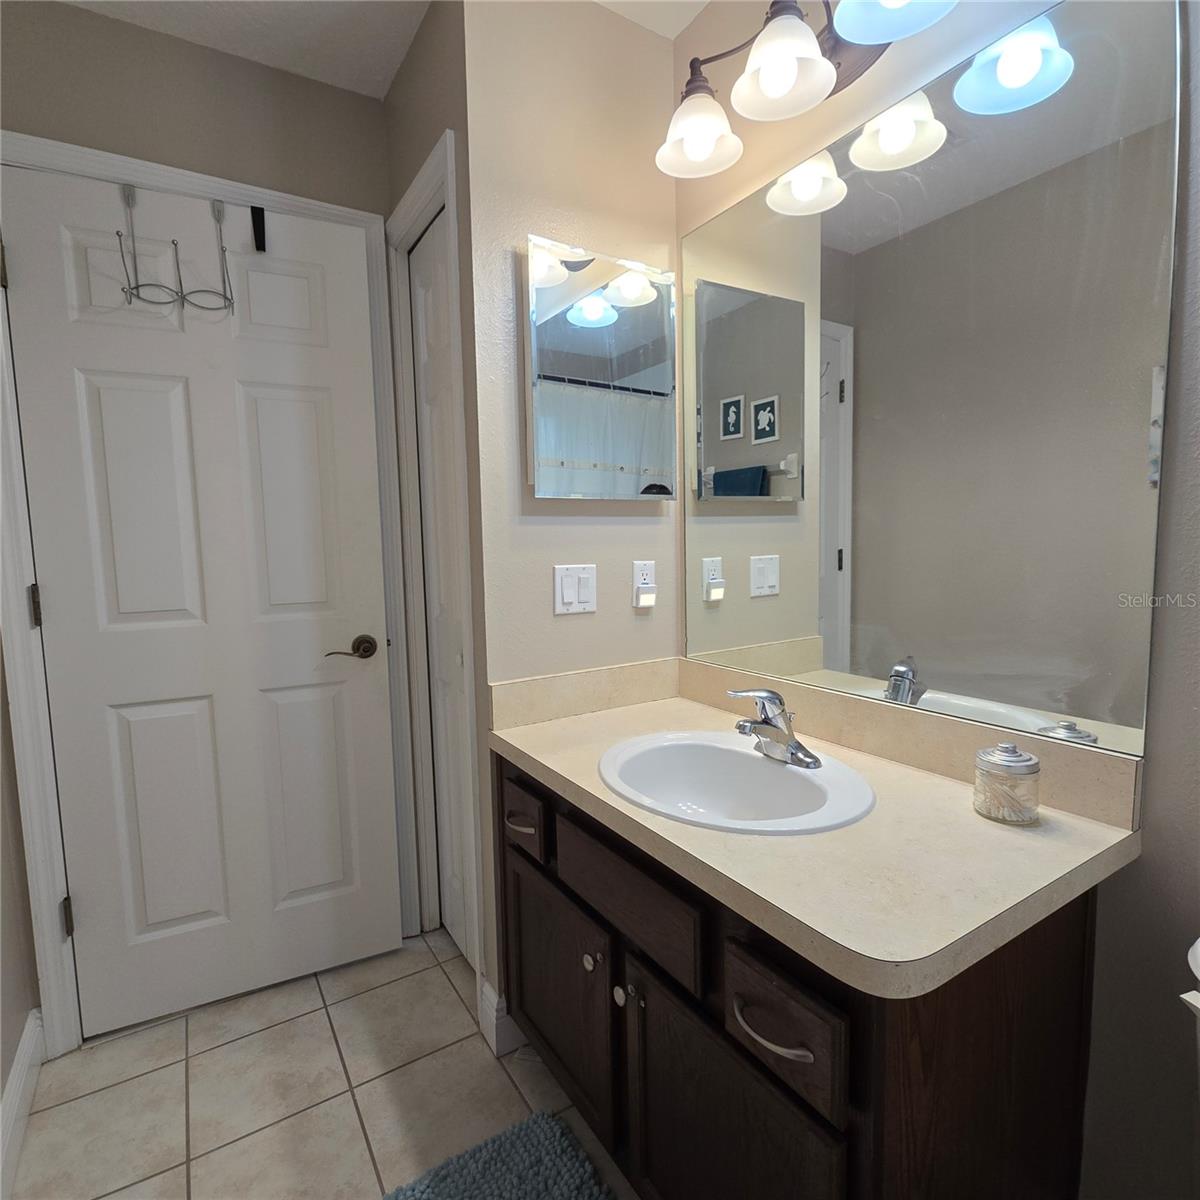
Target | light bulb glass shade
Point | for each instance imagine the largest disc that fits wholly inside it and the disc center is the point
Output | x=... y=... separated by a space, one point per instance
x=906 y=134
x=876 y=22
x=592 y=312
x=785 y=74
x=699 y=140
x=812 y=187
x=545 y=270
x=1023 y=68
x=630 y=290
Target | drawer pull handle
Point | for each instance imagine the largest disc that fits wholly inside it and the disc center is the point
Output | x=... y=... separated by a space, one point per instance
x=528 y=829
x=795 y=1053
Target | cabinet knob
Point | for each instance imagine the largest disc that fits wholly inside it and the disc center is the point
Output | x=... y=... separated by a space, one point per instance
x=619 y=996
x=589 y=963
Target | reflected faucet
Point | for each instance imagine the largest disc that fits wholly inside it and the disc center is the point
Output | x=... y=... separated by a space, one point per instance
x=902 y=686
x=773 y=732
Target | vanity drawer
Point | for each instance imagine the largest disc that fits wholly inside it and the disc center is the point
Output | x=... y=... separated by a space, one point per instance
x=663 y=925
x=781 y=1025
x=524 y=818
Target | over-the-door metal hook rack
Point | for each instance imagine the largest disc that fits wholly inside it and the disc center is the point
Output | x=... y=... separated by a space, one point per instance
x=161 y=293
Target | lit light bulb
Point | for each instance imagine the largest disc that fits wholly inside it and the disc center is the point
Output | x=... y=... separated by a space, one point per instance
x=630 y=285
x=543 y=266
x=897 y=130
x=698 y=144
x=806 y=182
x=1019 y=63
x=592 y=307
x=777 y=75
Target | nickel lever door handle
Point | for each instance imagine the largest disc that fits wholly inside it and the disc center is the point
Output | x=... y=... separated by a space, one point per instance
x=363 y=646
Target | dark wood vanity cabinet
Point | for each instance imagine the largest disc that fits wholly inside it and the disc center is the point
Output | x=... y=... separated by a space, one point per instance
x=716 y=1064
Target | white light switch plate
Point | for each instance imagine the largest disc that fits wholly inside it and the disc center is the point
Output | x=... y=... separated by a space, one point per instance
x=574 y=589
x=764 y=575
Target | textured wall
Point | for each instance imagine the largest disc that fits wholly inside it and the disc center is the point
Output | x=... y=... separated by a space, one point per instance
x=1142 y=1134
x=76 y=77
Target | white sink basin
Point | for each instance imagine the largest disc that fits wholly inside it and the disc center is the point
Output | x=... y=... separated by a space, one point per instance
x=721 y=781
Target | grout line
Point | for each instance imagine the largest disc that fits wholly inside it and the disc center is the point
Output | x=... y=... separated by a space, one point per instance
x=376 y=986
x=459 y=994
x=241 y=1137
x=115 y=1035
x=392 y=1070
x=513 y=1080
x=241 y=1037
x=353 y=1098
x=116 y=1083
x=146 y=1179
x=187 y=1114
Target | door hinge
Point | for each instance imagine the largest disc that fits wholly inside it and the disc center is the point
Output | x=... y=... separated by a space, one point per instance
x=68 y=917
x=841 y=391
x=839 y=558
x=35 y=605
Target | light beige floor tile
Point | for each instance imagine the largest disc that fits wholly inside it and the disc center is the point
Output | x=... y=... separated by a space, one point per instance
x=442 y=1105
x=97 y=1066
x=540 y=1089
x=105 y=1141
x=442 y=944
x=319 y=1154
x=608 y=1170
x=462 y=975
x=398 y=1022
x=244 y=1085
x=228 y=1019
x=356 y=977
x=170 y=1185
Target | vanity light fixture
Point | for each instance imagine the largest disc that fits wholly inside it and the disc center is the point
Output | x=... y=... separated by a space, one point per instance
x=630 y=290
x=790 y=70
x=592 y=312
x=545 y=269
x=873 y=22
x=812 y=187
x=1020 y=70
x=902 y=136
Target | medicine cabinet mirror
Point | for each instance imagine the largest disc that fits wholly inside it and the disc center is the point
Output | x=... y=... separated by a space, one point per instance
x=601 y=371
x=969 y=296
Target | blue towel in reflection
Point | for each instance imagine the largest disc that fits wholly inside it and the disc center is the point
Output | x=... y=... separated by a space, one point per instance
x=744 y=481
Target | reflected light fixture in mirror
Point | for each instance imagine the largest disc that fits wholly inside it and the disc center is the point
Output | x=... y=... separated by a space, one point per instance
x=1019 y=71
x=786 y=73
x=904 y=135
x=592 y=312
x=812 y=187
x=630 y=290
x=545 y=269
x=873 y=22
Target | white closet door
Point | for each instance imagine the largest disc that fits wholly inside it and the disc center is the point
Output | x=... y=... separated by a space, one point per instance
x=441 y=438
x=204 y=499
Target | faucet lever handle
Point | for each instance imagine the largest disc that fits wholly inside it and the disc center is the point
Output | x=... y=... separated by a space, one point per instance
x=770 y=704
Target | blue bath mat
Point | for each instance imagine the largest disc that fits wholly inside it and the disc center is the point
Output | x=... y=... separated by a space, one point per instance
x=536 y=1160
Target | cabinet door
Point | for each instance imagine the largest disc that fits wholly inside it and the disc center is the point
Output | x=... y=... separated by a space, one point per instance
x=560 y=987
x=703 y=1121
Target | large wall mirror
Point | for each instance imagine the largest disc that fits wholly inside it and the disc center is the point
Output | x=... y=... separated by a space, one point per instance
x=601 y=371
x=980 y=279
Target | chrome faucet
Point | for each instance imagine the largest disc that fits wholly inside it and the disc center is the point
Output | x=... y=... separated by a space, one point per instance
x=902 y=685
x=772 y=731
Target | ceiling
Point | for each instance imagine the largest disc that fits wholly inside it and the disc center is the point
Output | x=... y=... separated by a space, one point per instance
x=352 y=44
x=666 y=17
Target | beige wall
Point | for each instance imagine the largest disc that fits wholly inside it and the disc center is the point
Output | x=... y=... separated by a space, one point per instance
x=743 y=248
x=18 y=969
x=77 y=77
x=1143 y=1112
x=1004 y=357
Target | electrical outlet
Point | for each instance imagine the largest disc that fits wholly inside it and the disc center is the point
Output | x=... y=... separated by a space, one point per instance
x=712 y=580
x=644 y=591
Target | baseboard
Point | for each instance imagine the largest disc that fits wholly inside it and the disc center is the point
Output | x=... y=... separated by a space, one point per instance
x=18 y=1097
x=497 y=1027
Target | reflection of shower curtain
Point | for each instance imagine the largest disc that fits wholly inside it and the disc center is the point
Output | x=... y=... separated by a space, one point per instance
x=592 y=442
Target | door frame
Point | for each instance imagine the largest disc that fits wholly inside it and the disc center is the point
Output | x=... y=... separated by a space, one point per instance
x=24 y=662
x=433 y=189
x=843 y=535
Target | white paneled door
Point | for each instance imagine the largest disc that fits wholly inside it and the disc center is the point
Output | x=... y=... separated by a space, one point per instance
x=204 y=498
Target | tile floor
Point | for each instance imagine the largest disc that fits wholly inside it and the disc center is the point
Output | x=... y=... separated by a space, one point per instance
x=338 y=1086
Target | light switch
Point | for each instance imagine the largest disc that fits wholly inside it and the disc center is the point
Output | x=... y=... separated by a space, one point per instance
x=764 y=575
x=574 y=589
x=712 y=580
x=644 y=590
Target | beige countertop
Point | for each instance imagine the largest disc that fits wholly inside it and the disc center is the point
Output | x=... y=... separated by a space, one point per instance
x=895 y=904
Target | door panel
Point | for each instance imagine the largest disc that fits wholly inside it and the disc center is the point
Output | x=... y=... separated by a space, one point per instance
x=204 y=499
x=560 y=987
x=699 y=1111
